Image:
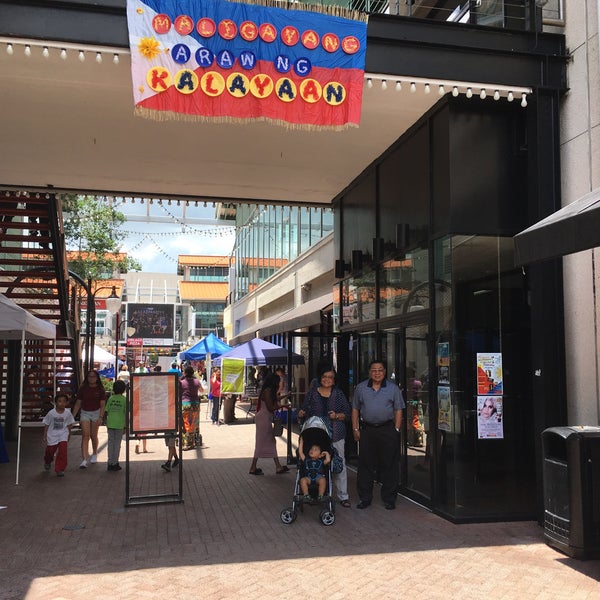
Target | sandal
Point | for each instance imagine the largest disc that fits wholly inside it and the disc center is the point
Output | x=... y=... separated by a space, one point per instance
x=282 y=470
x=256 y=472
x=345 y=503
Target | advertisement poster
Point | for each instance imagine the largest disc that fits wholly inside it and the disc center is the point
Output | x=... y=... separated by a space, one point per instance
x=154 y=324
x=232 y=375
x=444 y=408
x=153 y=402
x=443 y=361
x=489 y=374
x=489 y=418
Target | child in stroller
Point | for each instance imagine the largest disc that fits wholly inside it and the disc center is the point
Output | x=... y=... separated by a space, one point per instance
x=313 y=470
x=313 y=480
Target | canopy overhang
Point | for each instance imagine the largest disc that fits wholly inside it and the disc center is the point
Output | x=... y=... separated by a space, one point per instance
x=573 y=228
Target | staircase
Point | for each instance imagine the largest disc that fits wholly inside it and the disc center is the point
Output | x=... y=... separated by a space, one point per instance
x=34 y=274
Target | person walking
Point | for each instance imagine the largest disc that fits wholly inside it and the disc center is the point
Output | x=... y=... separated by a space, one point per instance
x=265 y=445
x=326 y=400
x=376 y=420
x=57 y=429
x=91 y=399
x=190 y=406
x=215 y=392
x=116 y=409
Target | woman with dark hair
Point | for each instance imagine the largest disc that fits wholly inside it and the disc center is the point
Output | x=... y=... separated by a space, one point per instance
x=91 y=399
x=326 y=400
x=190 y=406
x=265 y=445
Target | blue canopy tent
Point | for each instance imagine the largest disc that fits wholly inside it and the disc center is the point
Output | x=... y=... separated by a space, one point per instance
x=210 y=344
x=260 y=352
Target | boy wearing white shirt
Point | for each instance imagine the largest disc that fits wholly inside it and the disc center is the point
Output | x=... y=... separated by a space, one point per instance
x=57 y=428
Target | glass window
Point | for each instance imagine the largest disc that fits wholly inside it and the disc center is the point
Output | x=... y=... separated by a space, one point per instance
x=358 y=299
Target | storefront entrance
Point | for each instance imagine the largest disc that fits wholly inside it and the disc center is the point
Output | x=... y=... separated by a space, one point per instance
x=407 y=357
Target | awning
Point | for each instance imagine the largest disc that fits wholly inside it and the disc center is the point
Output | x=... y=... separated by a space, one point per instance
x=573 y=228
x=291 y=319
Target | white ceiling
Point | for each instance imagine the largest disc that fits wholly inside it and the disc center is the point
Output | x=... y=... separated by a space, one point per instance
x=70 y=124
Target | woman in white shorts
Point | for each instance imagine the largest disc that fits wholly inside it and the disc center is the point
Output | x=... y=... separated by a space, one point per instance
x=91 y=399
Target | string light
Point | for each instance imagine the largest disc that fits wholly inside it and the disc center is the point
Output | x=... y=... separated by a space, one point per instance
x=28 y=50
x=45 y=52
x=510 y=97
x=413 y=88
x=116 y=59
x=523 y=100
x=63 y=54
x=427 y=88
x=81 y=55
x=398 y=86
x=9 y=49
x=469 y=93
x=455 y=91
x=384 y=84
x=496 y=95
x=369 y=83
x=98 y=57
x=482 y=93
x=441 y=90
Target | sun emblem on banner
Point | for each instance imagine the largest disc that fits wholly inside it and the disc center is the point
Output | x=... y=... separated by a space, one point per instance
x=149 y=47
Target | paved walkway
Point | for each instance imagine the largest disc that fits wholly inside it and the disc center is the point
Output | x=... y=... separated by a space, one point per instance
x=72 y=538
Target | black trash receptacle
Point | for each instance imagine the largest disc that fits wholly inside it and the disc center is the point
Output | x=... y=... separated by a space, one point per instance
x=571 y=474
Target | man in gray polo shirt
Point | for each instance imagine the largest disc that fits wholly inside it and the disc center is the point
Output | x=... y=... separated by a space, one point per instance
x=376 y=421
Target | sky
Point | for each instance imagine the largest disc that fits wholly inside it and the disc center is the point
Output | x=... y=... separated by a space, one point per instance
x=156 y=245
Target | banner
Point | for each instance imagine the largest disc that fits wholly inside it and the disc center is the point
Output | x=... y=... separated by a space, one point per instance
x=213 y=60
x=232 y=375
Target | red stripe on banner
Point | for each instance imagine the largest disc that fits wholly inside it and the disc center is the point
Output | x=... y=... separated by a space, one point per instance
x=318 y=113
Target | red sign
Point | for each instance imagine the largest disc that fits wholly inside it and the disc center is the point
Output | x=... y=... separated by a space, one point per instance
x=135 y=342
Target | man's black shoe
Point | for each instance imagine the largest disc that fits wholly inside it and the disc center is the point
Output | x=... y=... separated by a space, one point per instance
x=390 y=506
x=363 y=504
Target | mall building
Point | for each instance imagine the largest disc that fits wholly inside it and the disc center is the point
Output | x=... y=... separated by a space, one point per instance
x=479 y=119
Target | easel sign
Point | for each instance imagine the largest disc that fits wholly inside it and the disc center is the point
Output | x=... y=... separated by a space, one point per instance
x=154 y=403
x=154 y=411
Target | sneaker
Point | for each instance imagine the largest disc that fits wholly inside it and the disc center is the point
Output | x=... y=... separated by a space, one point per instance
x=166 y=466
x=117 y=467
x=94 y=459
x=47 y=466
x=307 y=498
x=83 y=464
x=110 y=467
x=175 y=462
x=60 y=474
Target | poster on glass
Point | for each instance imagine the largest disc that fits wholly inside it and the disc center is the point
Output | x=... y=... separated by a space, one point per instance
x=489 y=417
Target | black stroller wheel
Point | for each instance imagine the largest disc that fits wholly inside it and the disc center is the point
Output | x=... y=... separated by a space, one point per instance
x=287 y=516
x=327 y=517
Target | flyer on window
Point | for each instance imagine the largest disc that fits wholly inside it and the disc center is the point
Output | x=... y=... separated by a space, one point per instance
x=443 y=362
x=489 y=374
x=489 y=417
x=444 y=408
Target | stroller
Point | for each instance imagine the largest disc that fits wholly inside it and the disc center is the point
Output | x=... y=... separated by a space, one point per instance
x=315 y=431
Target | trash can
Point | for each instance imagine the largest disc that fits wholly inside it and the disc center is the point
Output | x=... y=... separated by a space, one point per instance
x=571 y=474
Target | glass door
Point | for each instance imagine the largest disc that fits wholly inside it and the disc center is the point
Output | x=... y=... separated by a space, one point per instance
x=406 y=353
x=417 y=444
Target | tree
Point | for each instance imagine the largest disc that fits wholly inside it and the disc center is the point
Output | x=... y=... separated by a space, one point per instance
x=93 y=236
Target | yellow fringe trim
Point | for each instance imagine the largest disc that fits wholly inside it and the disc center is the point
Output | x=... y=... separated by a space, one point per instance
x=332 y=10
x=168 y=115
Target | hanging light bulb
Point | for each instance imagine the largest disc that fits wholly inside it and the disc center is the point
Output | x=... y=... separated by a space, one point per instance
x=510 y=97
x=45 y=52
x=369 y=83
x=413 y=87
x=469 y=93
x=63 y=54
x=151 y=201
x=482 y=93
x=383 y=84
x=455 y=91
x=523 y=100
x=427 y=88
x=9 y=49
x=496 y=95
x=98 y=57
x=169 y=203
x=28 y=50
x=81 y=55
x=398 y=86
x=116 y=59
x=205 y=204
x=441 y=90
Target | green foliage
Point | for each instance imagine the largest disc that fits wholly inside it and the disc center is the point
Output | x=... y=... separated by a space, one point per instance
x=93 y=229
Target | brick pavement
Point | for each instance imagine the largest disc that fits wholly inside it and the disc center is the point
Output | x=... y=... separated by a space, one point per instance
x=226 y=539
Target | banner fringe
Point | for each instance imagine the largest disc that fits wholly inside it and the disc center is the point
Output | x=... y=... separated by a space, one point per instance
x=168 y=115
x=333 y=10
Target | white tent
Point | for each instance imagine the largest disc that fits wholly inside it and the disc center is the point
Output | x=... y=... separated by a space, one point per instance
x=102 y=356
x=18 y=324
